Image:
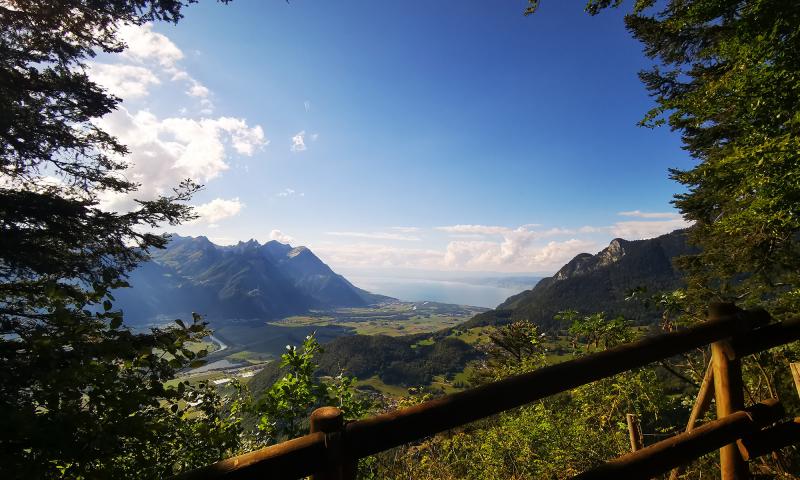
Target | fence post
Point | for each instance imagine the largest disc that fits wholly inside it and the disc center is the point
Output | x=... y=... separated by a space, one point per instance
x=795 y=368
x=634 y=432
x=700 y=407
x=331 y=421
x=728 y=393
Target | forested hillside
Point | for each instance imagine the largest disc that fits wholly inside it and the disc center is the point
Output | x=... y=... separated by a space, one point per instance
x=246 y=280
x=600 y=283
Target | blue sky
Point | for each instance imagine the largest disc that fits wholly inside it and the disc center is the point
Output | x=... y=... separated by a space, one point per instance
x=430 y=135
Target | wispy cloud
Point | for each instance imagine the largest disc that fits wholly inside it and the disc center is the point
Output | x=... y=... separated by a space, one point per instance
x=378 y=255
x=640 y=214
x=375 y=235
x=406 y=229
x=289 y=192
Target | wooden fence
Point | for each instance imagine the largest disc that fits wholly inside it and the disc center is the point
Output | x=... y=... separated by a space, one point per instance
x=332 y=449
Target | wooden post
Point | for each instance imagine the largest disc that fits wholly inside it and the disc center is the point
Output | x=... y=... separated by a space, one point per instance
x=331 y=421
x=701 y=404
x=795 y=368
x=661 y=456
x=634 y=432
x=729 y=396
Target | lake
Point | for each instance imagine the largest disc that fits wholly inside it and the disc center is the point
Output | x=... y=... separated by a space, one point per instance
x=473 y=293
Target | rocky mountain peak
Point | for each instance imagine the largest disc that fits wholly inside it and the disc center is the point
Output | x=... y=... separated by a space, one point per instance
x=612 y=253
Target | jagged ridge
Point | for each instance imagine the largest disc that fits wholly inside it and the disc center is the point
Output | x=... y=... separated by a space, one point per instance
x=246 y=280
x=592 y=283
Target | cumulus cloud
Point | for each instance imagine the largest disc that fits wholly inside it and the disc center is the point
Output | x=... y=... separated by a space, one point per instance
x=511 y=255
x=159 y=53
x=124 y=81
x=198 y=90
x=280 y=236
x=218 y=209
x=144 y=45
x=299 y=142
x=458 y=255
x=166 y=151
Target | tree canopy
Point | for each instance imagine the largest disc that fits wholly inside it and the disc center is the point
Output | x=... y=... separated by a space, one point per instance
x=726 y=76
x=80 y=394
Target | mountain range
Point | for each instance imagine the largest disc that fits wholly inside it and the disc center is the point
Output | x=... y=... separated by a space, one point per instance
x=599 y=283
x=243 y=281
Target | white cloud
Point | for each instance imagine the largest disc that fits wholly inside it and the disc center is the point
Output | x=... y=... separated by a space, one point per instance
x=146 y=45
x=639 y=230
x=640 y=214
x=124 y=81
x=376 y=255
x=375 y=235
x=307 y=105
x=164 y=152
x=510 y=255
x=474 y=229
x=299 y=142
x=159 y=52
x=218 y=209
x=406 y=229
x=198 y=90
x=458 y=255
x=523 y=231
x=290 y=192
x=653 y=225
x=280 y=236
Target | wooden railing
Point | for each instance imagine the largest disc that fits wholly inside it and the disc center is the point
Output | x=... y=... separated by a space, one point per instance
x=332 y=449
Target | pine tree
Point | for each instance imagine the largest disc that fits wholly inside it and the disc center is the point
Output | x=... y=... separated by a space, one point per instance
x=80 y=394
x=726 y=75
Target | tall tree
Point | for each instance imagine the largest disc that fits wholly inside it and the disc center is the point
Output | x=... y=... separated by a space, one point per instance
x=727 y=77
x=81 y=395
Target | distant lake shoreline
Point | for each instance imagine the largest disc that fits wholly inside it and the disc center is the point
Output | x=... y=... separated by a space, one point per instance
x=446 y=291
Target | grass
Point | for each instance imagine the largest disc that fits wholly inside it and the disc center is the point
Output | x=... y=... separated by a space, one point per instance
x=250 y=357
x=395 y=319
x=386 y=389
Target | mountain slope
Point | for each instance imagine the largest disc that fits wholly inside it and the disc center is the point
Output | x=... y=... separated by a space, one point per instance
x=594 y=283
x=243 y=281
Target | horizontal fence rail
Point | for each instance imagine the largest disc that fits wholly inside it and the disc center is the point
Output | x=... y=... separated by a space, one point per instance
x=672 y=452
x=296 y=458
x=748 y=330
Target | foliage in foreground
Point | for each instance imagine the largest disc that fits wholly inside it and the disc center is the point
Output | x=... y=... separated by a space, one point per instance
x=80 y=394
x=726 y=75
x=556 y=437
x=283 y=410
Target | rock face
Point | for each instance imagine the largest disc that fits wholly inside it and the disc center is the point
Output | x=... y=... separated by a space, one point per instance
x=595 y=283
x=244 y=281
